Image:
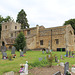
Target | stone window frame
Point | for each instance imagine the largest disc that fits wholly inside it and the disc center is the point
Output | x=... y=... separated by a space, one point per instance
x=11 y=34
x=15 y=27
x=28 y=32
x=57 y=41
x=5 y=27
x=41 y=42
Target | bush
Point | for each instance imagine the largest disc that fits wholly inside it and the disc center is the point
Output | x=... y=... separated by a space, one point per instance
x=10 y=57
x=38 y=63
x=50 y=59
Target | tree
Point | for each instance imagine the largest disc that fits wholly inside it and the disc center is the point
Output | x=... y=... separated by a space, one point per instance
x=20 y=41
x=72 y=22
x=21 y=18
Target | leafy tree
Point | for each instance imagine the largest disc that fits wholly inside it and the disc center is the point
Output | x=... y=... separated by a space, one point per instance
x=20 y=41
x=72 y=22
x=21 y=18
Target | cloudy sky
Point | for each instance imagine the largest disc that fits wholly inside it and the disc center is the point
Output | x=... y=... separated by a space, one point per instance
x=49 y=13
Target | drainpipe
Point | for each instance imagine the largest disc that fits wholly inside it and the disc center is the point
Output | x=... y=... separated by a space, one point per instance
x=51 y=39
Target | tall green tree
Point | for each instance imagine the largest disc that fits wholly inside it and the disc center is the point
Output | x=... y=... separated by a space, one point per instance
x=72 y=22
x=20 y=41
x=21 y=18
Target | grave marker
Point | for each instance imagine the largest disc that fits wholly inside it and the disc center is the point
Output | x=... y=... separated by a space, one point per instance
x=66 y=53
x=66 y=67
x=4 y=55
x=69 y=53
x=13 y=50
x=56 y=59
x=3 y=48
x=21 y=54
x=24 y=50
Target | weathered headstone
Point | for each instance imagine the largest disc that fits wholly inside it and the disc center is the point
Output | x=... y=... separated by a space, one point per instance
x=3 y=48
x=57 y=73
x=69 y=53
x=40 y=59
x=66 y=53
x=56 y=59
x=4 y=55
x=61 y=57
x=49 y=56
x=46 y=50
x=24 y=50
x=21 y=54
x=66 y=67
x=13 y=50
x=43 y=52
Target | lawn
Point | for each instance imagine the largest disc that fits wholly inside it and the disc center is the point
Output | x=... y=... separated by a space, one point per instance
x=31 y=57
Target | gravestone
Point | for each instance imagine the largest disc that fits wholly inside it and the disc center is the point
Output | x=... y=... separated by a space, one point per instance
x=24 y=50
x=21 y=54
x=66 y=67
x=3 y=48
x=40 y=59
x=13 y=50
x=46 y=50
x=4 y=55
x=42 y=52
x=56 y=59
x=69 y=53
x=61 y=57
x=57 y=73
x=49 y=56
x=66 y=53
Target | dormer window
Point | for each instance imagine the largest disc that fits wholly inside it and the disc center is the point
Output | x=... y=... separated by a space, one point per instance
x=15 y=27
x=5 y=27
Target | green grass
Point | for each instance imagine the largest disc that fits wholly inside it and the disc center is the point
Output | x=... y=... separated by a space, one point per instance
x=32 y=58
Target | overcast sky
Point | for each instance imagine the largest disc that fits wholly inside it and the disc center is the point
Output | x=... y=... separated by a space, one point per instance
x=49 y=13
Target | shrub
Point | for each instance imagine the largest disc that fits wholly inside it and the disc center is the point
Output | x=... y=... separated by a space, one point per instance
x=50 y=59
x=10 y=57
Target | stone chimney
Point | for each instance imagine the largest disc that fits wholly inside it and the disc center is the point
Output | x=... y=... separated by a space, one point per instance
x=37 y=36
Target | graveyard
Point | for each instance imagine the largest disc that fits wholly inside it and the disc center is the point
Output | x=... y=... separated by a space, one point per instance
x=34 y=58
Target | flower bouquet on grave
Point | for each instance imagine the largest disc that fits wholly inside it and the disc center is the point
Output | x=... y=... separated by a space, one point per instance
x=9 y=56
x=22 y=68
x=73 y=65
x=68 y=73
x=14 y=55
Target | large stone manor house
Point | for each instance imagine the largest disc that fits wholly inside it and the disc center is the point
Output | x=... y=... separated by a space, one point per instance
x=56 y=38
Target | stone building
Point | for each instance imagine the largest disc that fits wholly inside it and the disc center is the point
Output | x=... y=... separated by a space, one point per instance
x=56 y=38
